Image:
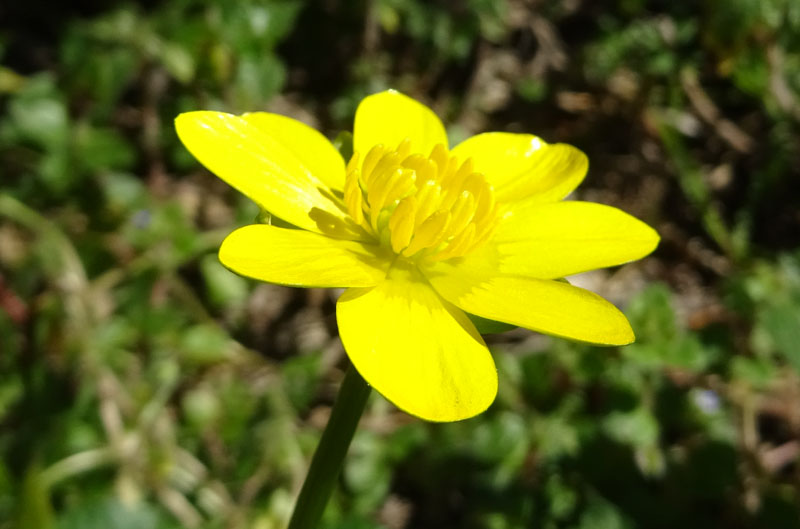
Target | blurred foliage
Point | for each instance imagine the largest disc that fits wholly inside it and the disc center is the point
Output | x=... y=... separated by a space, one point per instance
x=143 y=385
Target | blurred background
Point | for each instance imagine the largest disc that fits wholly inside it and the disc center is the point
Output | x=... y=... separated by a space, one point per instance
x=142 y=385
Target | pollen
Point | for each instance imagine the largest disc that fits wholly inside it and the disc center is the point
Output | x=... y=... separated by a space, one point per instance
x=432 y=207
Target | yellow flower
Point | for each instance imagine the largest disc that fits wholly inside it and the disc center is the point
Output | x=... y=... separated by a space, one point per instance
x=419 y=234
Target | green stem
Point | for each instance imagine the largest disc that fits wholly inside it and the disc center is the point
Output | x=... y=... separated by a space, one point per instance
x=327 y=461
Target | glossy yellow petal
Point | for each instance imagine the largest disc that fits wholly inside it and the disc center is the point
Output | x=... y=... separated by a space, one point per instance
x=259 y=165
x=521 y=166
x=550 y=307
x=390 y=117
x=554 y=240
x=319 y=156
x=302 y=258
x=419 y=351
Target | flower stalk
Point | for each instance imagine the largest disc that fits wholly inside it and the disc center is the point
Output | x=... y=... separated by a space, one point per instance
x=331 y=450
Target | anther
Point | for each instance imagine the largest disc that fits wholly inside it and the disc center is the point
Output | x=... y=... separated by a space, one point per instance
x=433 y=207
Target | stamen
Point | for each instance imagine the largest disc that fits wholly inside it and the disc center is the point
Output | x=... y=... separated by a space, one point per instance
x=428 y=199
x=440 y=156
x=372 y=158
x=425 y=168
x=457 y=245
x=430 y=233
x=383 y=173
x=353 y=198
x=463 y=211
x=433 y=207
x=401 y=224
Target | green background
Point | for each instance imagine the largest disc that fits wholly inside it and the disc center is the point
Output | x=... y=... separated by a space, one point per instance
x=144 y=386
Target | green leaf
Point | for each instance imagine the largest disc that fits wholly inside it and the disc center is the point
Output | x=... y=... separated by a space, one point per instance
x=781 y=322
x=562 y=499
x=101 y=149
x=602 y=514
x=638 y=428
x=201 y=407
x=104 y=512
x=38 y=113
x=301 y=375
x=205 y=344
x=224 y=288
x=177 y=61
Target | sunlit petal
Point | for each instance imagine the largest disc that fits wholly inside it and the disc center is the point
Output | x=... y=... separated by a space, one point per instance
x=554 y=240
x=390 y=117
x=301 y=258
x=262 y=167
x=317 y=153
x=419 y=351
x=551 y=307
x=522 y=166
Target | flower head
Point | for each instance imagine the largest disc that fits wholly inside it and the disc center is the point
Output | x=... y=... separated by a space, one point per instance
x=421 y=234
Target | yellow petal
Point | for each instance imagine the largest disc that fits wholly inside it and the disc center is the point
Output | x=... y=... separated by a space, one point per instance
x=521 y=166
x=419 y=351
x=318 y=154
x=390 y=117
x=262 y=167
x=554 y=240
x=550 y=307
x=301 y=258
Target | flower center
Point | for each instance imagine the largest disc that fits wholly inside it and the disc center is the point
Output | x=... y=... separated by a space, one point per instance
x=423 y=207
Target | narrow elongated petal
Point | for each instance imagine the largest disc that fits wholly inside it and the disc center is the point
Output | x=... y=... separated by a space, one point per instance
x=416 y=349
x=301 y=258
x=317 y=153
x=550 y=307
x=522 y=166
x=261 y=166
x=554 y=240
x=390 y=117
